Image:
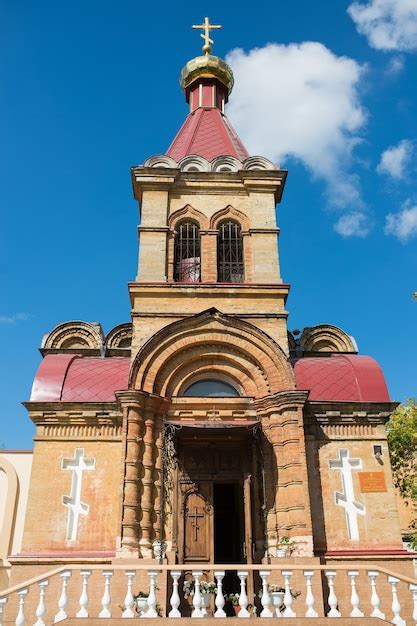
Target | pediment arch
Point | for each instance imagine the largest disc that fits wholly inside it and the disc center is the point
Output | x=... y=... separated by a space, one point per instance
x=327 y=338
x=74 y=336
x=229 y=212
x=188 y=212
x=206 y=344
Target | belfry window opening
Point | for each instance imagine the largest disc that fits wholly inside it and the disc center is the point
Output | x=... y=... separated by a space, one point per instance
x=187 y=261
x=230 y=265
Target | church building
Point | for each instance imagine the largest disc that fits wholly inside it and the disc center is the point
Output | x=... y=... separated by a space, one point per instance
x=203 y=438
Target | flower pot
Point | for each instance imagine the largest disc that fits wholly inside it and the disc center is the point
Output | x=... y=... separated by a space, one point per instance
x=277 y=599
x=141 y=605
x=236 y=608
x=205 y=603
x=281 y=553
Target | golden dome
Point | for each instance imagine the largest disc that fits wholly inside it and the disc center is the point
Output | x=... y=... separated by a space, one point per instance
x=206 y=66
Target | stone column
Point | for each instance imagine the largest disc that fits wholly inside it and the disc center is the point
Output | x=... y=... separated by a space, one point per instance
x=247 y=256
x=208 y=256
x=132 y=403
x=289 y=512
x=170 y=255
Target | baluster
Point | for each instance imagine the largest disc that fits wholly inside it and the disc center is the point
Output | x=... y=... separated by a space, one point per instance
x=197 y=599
x=219 y=602
x=243 y=598
x=129 y=601
x=3 y=602
x=151 y=612
x=375 y=601
x=266 y=598
x=175 y=600
x=395 y=606
x=332 y=599
x=41 y=609
x=106 y=599
x=413 y=589
x=63 y=598
x=309 y=595
x=20 y=619
x=288 y=612
x=83 y=612
x=354 y=598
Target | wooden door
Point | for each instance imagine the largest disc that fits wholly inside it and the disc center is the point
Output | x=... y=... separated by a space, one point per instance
x=197 y=526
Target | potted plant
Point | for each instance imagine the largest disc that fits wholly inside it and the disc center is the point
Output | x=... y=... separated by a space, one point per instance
x=277 y=598
x=141 y=602
x=284 y=546
x=206 y=588
x=233 y=598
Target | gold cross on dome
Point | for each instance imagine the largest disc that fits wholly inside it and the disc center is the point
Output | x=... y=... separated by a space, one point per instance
x=206 y=27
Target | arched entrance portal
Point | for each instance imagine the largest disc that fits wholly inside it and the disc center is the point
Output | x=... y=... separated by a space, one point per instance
x=210 y=382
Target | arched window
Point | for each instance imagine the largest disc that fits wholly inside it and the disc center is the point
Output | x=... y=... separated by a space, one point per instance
x=230 y=266
x=187 y=253
x=211 y=388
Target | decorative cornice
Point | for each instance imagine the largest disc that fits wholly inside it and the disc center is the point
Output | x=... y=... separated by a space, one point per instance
x=281 y=401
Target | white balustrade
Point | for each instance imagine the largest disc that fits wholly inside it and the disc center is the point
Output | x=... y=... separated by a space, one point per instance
x=332 y=599
x=288 y=611
x=265 y=598
x=310 y=612
x=175 y=600
x=63 y=598
x=106 y=599
x=413 y=589
x=243 y=596
x=41 y=608
x=152 y=602
x=354 y=598
x=219 y=602
x=197 y=599
x=84 y=599
x=20 y=619
x=129 y=601
x=375 y=601
x=395 y=606
x=270 y=602
x=3 y=602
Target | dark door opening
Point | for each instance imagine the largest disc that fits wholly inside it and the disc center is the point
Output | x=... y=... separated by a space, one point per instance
x=229 y=527
x=228 y=523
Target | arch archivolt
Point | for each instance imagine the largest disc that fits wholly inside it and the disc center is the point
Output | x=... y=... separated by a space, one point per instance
x=229 y=212
x=208 y=343
x=188 y=212
x=206 y=361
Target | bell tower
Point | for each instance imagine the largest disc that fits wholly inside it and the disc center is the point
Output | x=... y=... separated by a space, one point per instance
x=208 y=235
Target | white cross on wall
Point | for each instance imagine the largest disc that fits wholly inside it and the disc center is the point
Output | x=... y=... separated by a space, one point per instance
x=78 y=464
x=346 y=499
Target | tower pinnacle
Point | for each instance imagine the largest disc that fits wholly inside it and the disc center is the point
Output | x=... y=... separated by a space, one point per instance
x=206 y=27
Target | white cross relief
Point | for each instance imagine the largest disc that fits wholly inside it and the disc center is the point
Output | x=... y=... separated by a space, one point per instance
x=78 y=464
x=346 y=499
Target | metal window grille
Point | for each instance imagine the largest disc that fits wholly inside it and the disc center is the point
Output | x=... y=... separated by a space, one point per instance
x=187 y=253
x=230 y=266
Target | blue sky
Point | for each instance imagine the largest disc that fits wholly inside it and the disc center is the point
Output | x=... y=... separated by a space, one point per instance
x=91 y=88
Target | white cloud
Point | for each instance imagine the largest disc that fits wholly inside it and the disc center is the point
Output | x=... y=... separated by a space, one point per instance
x=403 y=224
x=395 y=65
x=13 y=319
x=301 y=101
x=354 y=224
x=387 y=24
x=395 y=159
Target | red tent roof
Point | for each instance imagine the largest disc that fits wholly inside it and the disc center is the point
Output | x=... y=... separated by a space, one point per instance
x=208 y=133
x=337 y=378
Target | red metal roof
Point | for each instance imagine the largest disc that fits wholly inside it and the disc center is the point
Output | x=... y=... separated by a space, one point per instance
x=342 y=378
x=208 y=133
x=335 y=378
